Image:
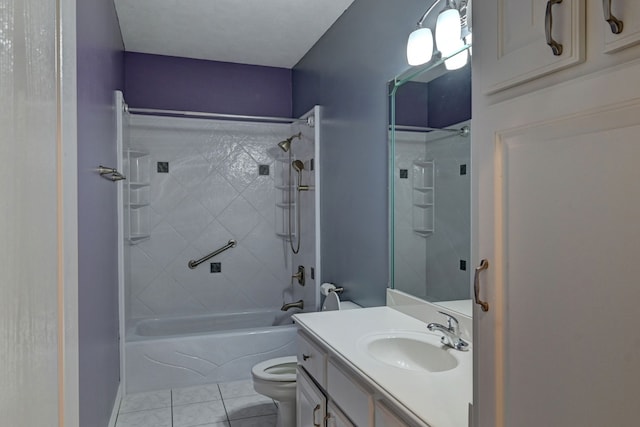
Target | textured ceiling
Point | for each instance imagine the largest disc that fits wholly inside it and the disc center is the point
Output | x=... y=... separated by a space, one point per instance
x=275 y=33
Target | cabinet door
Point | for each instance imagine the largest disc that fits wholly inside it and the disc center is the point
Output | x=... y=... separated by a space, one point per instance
x=518 y=42
x=627 y=11
x=311 y=404
x=558 y=207
x=385 y=417
x=335 y=417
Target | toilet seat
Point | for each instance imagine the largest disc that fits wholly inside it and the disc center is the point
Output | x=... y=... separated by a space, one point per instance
x=280 y=369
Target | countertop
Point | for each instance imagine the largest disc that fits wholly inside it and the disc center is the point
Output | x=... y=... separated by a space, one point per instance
x=440 y=399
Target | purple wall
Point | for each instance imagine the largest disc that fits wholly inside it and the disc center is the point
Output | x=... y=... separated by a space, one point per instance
x=167 y=82
x=412 y=104
x=450 y=98
x=100 y=72
x=347 y=72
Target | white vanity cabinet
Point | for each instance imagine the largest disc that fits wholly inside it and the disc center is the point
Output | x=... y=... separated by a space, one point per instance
x=311 y=403
x=520 y=46
x=556 y=205
x=332 y=394
x=580 y=31
x=335 y=417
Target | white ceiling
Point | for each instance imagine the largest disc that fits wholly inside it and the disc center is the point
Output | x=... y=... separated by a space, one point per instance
x=275 y=33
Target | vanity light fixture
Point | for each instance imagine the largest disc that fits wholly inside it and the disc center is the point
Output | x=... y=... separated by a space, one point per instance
x=420 y=46
x=452 y=31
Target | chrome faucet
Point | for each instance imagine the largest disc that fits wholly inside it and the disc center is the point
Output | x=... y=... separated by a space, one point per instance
x=297 y=304
x=450 y=333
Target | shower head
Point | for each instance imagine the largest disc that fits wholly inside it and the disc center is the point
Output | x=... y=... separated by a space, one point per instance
x=286 y=144
x=297 y=165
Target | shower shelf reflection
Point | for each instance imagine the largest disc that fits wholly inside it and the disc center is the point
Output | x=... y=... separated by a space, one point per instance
x=423 y=197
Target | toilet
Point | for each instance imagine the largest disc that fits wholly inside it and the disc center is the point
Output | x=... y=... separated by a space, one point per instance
x=276 y=378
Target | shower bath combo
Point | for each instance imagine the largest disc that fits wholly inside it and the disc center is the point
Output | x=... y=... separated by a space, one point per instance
x=182 y=326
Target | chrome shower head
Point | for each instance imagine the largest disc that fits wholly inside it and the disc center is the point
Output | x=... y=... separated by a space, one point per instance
x=286 y=144
x=297 y=165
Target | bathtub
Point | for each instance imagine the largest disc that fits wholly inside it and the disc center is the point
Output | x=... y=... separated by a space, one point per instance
x=188 y=351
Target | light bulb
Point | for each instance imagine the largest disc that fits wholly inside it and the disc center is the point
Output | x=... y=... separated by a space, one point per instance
x=456 y=61
x=420 y=46
x=448 y=31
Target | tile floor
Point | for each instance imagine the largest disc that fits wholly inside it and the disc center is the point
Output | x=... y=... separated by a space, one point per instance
x=234 y=404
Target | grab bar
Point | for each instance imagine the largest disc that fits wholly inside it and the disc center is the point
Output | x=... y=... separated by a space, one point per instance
x=193 y=263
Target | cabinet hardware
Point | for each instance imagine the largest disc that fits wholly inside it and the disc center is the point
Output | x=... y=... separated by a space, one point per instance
x=484 y=264
x=556 y=47
x=305 y=356
x=316 y=409
x=615 y=24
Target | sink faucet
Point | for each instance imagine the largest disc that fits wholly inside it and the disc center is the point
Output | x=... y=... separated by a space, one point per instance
x=450 y=333
x=297 y=304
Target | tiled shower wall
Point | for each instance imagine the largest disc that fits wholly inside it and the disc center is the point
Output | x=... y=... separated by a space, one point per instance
x=211 y=193
x=429 y=267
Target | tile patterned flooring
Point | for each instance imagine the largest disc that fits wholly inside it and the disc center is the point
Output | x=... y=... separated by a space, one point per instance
x=234 y=404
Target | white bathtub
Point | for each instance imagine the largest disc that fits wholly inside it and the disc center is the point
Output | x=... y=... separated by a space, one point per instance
x=181 y=352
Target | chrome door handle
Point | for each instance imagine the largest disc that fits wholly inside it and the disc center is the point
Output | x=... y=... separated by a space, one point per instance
x=615 y=24
x=484 y=264
x=556 y=47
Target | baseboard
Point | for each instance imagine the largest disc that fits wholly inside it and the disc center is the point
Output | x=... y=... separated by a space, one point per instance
x=116 y=407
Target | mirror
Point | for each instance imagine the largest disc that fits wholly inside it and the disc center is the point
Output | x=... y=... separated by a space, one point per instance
x=430 y=172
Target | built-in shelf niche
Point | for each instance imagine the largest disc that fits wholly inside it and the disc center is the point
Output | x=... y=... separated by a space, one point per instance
x=138 y=171
x=285 y=198
x=423 y=204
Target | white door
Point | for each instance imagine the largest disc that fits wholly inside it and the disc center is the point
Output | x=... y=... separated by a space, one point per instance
x=557 y=203
x=38 y=215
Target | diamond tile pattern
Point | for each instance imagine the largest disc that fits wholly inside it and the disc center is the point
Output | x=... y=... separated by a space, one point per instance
x=212 y=193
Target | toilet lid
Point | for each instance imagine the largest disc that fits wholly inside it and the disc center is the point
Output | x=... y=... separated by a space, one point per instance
x=282 y=369
x=331 y=302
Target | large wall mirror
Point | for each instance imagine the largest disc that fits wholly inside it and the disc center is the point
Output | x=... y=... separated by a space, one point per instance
x=430 y=173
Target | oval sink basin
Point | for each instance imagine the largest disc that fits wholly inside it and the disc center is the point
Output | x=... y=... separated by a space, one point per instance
x=413 y=351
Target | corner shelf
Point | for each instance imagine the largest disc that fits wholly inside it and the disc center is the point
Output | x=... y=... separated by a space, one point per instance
x=138 y=170
x=282 y=203
x=423 y=206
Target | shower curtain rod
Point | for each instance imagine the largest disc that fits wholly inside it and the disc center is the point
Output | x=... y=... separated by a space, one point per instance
x=464 y=130
x=197 y=114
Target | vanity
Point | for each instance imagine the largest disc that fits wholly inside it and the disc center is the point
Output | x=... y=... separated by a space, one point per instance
x=381 y=367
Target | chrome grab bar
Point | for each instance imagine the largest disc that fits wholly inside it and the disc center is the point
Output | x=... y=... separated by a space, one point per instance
x=193 y=263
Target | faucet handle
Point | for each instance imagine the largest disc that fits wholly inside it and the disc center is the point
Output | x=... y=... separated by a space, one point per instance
x=452 y=322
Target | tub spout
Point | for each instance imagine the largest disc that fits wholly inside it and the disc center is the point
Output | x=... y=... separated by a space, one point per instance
x=297 y=304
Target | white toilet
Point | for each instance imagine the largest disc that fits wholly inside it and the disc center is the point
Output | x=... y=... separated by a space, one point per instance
x=276 y=378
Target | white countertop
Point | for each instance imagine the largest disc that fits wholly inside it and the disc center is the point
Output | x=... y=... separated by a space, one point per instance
x=440 y=399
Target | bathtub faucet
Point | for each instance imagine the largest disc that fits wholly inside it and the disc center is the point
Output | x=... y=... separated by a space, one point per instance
x=297 y=304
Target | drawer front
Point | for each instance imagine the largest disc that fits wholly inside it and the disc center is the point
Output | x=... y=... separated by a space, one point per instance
x=352 y=397
x=312 y=358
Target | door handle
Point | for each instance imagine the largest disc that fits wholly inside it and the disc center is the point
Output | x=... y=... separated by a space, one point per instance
x=316 y=409
x=556 y=47
x=615 y=24
x=484 y=264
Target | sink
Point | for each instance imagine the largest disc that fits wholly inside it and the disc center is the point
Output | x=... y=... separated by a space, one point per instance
x=414 y=351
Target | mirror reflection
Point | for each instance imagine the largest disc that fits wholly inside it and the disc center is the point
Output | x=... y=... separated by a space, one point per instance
x=430 y=197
